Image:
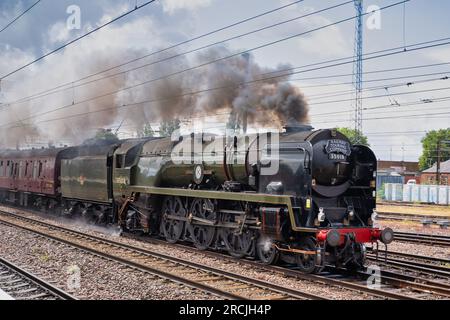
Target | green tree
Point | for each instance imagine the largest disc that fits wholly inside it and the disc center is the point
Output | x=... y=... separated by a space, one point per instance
x=147 y=131
x=105 y=134
x=168 y=127
x=429 y=146
x=102 y=135
x=352 y=135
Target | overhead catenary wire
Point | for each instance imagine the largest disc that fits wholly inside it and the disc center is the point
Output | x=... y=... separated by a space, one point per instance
x=380 y=96
x=156 y=52
x=19 y=16
x=397 y=132
x=75 y=40
x=405 y=104
x=62 y=87
x=333 y=84
x=30 y=98
x=412 y=116
x=230 y=56
x=270 y=44
x=382 y=80
x=204 y=90
x=149 y=101
x=385 y=86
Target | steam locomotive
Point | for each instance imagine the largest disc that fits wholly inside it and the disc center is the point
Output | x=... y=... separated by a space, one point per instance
x=304 y=196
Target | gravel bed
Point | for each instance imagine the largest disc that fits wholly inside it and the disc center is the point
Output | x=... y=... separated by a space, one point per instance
x=419 y=249
x=99 y=278
x=327 y=291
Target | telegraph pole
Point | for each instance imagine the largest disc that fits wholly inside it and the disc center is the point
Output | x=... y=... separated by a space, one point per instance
x=438 y=163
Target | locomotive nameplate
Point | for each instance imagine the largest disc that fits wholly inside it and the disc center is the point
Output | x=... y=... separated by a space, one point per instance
x=337 y=149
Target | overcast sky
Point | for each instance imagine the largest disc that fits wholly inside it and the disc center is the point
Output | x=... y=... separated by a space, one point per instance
x=170 y=21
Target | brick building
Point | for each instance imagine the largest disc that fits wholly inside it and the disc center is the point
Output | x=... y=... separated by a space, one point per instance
x=428 y=176
x=407 y=169
x=397 y=172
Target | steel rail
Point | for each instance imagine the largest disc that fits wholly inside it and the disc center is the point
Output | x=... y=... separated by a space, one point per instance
x=46 y=289
x=429 y=265
x=398 y=280
x=290 y=271
x=288 y=293
x=349 y=284
x=423 y=238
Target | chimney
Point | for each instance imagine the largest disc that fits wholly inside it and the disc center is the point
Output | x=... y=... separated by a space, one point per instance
x=293 y=126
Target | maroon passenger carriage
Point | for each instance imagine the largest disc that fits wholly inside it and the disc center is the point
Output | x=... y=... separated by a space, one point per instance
x=30 y=176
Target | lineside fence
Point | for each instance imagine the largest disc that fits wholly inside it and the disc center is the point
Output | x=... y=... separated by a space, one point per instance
x=417 y=193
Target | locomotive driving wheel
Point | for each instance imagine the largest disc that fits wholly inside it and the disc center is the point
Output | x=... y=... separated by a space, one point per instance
x=201 y=234
x=171 y=227
x=266 y=251
x=238 y=242
x=93 y=215
x=307 y=262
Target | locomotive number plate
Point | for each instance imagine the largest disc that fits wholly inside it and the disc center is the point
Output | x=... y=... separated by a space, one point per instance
x=336 y=156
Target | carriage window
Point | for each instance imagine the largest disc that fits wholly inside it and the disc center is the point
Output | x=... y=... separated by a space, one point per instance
x=35 y=169
x=9 y=169
x=1 y=169
x=16 y=169
x=26 y=168
x=21 y=169
x=40 y=169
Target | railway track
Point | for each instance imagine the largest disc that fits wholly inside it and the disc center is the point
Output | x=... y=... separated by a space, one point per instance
x=22 y=285
x=210 y=280
x=436 y=267
x=395 y=216
x=423 y=238
x=394 y=285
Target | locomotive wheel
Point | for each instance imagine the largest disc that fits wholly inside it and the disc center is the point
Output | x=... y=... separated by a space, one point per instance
x=171 y=228
x=359 y=258
x=267 y=253
x=202 y=235
x=93 y=216
x=98 y=216
x=237 y=244
x=307 y=262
